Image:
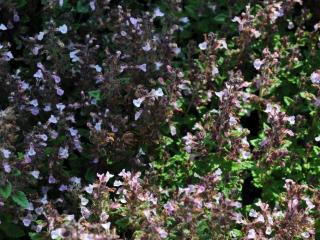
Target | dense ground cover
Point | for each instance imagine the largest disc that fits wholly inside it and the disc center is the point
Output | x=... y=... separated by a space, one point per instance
x=159 y=119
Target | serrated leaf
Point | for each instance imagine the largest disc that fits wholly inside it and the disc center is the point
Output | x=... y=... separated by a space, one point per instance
x=20 y=199
x=5 y=191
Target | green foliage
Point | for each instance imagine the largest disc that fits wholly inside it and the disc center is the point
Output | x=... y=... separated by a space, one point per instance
x=20 y=199
x=6 y=190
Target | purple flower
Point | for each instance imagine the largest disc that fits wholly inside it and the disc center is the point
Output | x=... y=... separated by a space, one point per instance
x=6 y=153
x=35 y=174
x=60 y=91
x=203 y=45
x=142 y=67
x=157 y=13
x=3 y=27
x=8 y=56
x=138 y=102
x=53 y=119
x=31 y=152
x=63 y=29
x=315 y=77
x=38 y=74
x=56 y=78
x=73 y=132
x=63 y=153
x=60 y=106
x=6 y=167
x=63 y=188
x=51 y=179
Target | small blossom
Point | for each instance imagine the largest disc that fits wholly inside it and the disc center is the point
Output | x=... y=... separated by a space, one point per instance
x=105 y=177
x=157 y=13
x=232 y=121
x=85 y=212
x=31 y=152
x=63 y=29
x=158 y=65
x=290 y=25
x=8 y=56
x=73 y=132
x=133 y=21
x=305 y=235
x=147 y=47
x=92 y=5
x=60 y=106
x=59 y=91
x=38 y=74
x=214 y=71
x=53 y=119
x=184 y=20
x=310 y=205
x=291 y=120
x=3 y=27
x=203 y=45
x=157 y=93
x=84 y=201
x=51 y=179
x=251 y=234
x=73 y=56
x=47 y=108
x=142 y=67
x=315 y=77
x=34 y=103
x=97 y=68
x=162 y=232
x=220 y=94
x=106 y=226
x=138 y=102
x=27 y=220
x=40 y=36
x=6 y=153
x=245 y=154
x=63 y=153
x=268 y=230
x=63 y=188
x=117 y=183
x=173 y=130
x=89 y=189
x=257 y=64
x=57 y=233
x=253 y=213
x=75 y=180
x=6 y=167
x=35 y=174
x=56 y=78
x=137 y=115
x=97 y=126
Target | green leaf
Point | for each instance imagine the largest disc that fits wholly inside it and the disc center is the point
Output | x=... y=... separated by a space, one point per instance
x=220 y=18
x=12 y=230
x=36 y=236
x=288 y=101
x=90 y=175
x=82 y=7
x=5 y=191
x=20 y=199
x=96 y=94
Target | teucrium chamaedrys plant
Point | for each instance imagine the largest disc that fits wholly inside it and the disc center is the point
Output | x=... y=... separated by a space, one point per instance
x=210 y=106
